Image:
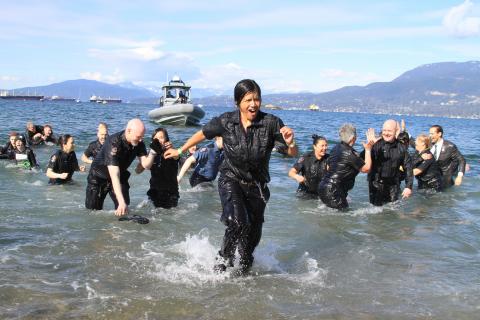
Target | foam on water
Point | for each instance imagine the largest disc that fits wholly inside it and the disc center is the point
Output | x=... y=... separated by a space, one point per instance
x=188 y=262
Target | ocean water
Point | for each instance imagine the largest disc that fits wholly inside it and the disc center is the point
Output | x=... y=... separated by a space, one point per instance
x=415 y=259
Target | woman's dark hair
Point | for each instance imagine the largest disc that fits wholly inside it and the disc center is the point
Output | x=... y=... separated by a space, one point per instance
x=317 y=138
x=64 y=139
x=246 y=86
x=165 y=133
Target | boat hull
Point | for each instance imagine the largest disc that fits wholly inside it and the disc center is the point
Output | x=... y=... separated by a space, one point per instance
x=22 y=97
x=177 y=114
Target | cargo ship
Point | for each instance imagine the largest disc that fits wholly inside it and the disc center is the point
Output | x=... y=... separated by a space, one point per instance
x=7 y=96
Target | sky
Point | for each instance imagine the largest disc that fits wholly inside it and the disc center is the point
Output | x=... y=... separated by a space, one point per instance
x=286 y=46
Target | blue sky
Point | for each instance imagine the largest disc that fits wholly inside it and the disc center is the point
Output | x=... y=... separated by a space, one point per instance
x=287 y=46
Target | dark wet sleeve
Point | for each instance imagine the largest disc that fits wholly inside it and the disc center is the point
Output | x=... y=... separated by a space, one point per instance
x=89 y=152
x=408 y=167
x=356 y=161
x=141 y=149
x=299 y=165
x=75 y=162
x=425 y=164
x=52 y=163
x=32 y=159
x=278 y=138
x=111 y=153
x=213 y=128
x=458 y=157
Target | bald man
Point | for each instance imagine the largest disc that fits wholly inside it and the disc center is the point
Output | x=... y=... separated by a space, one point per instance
x=108 y=172
x=95 y=146
x=390 y=159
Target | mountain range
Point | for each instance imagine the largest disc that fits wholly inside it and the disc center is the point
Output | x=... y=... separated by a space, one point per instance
x=443 y=89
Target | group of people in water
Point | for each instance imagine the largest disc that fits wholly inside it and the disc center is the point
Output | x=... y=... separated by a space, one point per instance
x=244 y=141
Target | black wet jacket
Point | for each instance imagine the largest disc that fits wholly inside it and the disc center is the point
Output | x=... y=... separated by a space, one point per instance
x=344 y=164
x=93 y=149
x=29 y=135
x=116 y=151
x=431 y=174
x=388 y=161
x=164 y=174
x=62 y=162
x=312 y=169
x=8 y=151
x=247 y=153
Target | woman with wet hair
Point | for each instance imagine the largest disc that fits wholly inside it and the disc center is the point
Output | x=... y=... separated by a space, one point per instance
x=63 y=163
x=24 y=156
x=163 y=190
x=310 y=168
x=249 y=136
x=425 y=168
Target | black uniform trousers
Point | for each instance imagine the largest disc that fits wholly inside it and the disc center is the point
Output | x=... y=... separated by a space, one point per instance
x=97 y=190
x=163 y=198
x=243 y=209
x=333 y=196
x=383 y=191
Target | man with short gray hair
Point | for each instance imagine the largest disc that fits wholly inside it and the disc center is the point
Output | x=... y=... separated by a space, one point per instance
x=344 y=165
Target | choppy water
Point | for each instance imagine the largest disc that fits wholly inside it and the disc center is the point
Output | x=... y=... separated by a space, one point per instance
x=416 y=259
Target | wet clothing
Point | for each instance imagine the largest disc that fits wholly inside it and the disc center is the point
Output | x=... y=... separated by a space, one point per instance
x=116 y=151
x=242 y=184
x=62 y=162
x=7 y=152
x=450 y=161
x=313 y=170
x=388 y=161
x=163 y=182
x=93 y=149
x=247 y=153
x=26 y=159
x=50 y=140
x=431 y=176
x=207 y=163
x=344 y=165
x=29 y=135
x=243 y=213
x=7 y=149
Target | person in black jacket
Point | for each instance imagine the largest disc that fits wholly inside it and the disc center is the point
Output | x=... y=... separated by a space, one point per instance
x=426 y=170
x=94 y=147
x=310 y=168
x=10 y=145
x=24 y=156
x=450 y=160
x=163 y=190
x=109 y=171
x=344 y=164
x=33 y=133
x=249 y=136
x=63 y=163
x=389 y=159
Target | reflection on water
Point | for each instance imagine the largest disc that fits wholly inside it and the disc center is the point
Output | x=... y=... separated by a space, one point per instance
x=412 y=259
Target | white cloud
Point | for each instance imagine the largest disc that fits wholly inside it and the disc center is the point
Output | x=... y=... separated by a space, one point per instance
x=9 y=78
x=459 y=22
x=116 y=77
x=127 y=49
